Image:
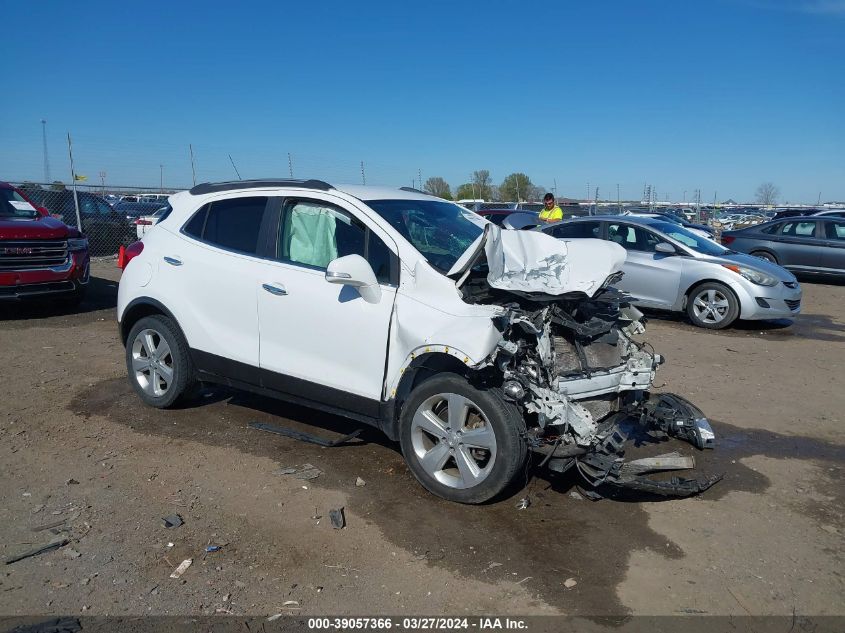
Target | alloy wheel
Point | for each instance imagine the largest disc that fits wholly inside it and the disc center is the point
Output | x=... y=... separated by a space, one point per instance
x=152 y=362
x=711 y=306
x=453 y=440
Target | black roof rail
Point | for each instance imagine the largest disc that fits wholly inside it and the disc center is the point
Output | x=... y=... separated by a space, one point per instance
x=212 y=187
x=412 y=190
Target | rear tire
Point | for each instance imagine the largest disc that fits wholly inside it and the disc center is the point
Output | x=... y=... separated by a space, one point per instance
x=158 y=361
x=463 y=444
x=712 y=305
x=764 y=255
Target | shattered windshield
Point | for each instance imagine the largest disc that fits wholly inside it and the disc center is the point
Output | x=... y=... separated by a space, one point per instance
x=12 y=204
x=441 y=231
x=690 y=239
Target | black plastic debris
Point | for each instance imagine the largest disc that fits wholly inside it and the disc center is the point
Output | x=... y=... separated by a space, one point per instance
x=53 y=625
x=304 y=437
x=338 y=518
x=172 y=521
x=49 y=547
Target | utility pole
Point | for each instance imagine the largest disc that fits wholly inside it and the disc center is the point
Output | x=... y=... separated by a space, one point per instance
x=588 y=191
x=554 y=180
x=685 y=196
x=73 y=181
x=161 y=178
x=819 y=200
x=363 y=177
x=193 y=167
x=419 y=177
x=290 y=165
x=103 y=182
x=618 y=200
x=46 y=159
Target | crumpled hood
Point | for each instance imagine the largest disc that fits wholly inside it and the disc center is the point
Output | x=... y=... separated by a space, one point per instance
x=534 y=262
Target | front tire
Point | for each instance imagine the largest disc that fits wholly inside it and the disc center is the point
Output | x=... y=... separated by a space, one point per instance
x=712 y=305
x=158 y=362
x=462 y=443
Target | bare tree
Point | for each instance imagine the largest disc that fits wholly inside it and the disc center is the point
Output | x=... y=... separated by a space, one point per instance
x=767 y=193
x=436 y=186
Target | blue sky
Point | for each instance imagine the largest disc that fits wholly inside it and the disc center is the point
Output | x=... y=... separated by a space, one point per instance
x=719 y=95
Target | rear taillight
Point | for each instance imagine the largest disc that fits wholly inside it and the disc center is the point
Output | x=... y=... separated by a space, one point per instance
x=127 y=253
x=727 y=239
x=142 y=222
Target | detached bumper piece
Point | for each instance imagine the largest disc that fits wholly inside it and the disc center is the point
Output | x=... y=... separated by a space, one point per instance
x=658 y=416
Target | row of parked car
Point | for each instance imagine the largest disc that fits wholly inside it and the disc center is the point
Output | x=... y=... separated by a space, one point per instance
x=44 y=254
x=674 y=265
x=107 y=226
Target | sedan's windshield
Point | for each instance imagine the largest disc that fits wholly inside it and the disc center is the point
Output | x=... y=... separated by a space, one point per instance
x=12 y=204
x=689 y=239
x=441 y=231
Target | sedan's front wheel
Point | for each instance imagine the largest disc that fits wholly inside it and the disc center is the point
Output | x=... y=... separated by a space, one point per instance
x=712 y=305
x=462 y=443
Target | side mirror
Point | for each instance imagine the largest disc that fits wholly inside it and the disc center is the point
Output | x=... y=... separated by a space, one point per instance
x=355 y=271
x=665 y=248
x=43 y=211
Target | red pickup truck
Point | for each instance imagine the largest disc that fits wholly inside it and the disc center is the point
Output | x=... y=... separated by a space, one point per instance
x=40 y=256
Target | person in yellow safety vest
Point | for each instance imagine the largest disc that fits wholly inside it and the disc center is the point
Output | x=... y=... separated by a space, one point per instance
x=551 y=212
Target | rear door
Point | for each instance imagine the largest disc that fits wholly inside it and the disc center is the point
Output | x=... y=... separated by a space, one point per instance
x=799 y=244
x=211 y=269
x=833 y=252
x=653 y=278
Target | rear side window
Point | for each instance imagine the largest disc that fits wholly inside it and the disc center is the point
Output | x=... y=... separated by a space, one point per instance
x=771 y=229
x=835 y=230
x=231 y=224
x=799 y=229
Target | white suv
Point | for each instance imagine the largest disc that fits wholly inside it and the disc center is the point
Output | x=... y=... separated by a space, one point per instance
x=473 y=346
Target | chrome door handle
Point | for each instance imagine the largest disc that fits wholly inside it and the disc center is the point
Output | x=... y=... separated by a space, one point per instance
x=273 y=289
x=173 y=261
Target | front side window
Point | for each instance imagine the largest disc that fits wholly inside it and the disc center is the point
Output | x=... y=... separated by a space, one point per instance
x=440 y=231
x=232 y=224
x=576 y=229
x=313 y=233
x=632 y=238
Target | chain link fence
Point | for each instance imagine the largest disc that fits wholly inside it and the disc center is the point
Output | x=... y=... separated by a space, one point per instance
x=109 y=218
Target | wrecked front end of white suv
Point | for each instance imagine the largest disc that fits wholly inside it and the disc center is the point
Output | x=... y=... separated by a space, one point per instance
x=569 y=358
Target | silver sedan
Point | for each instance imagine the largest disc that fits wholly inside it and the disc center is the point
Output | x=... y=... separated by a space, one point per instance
x=670 y=268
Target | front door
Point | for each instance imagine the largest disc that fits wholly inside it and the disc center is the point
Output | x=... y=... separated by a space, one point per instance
x=652 y=278
x=322 y=341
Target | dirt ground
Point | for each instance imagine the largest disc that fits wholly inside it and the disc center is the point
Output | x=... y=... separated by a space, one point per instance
x=81 y=453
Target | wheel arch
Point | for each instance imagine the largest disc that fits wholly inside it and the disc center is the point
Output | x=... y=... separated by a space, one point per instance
x=138 y=309
x=420 y=369
x=768 y=251
x=701 y=282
